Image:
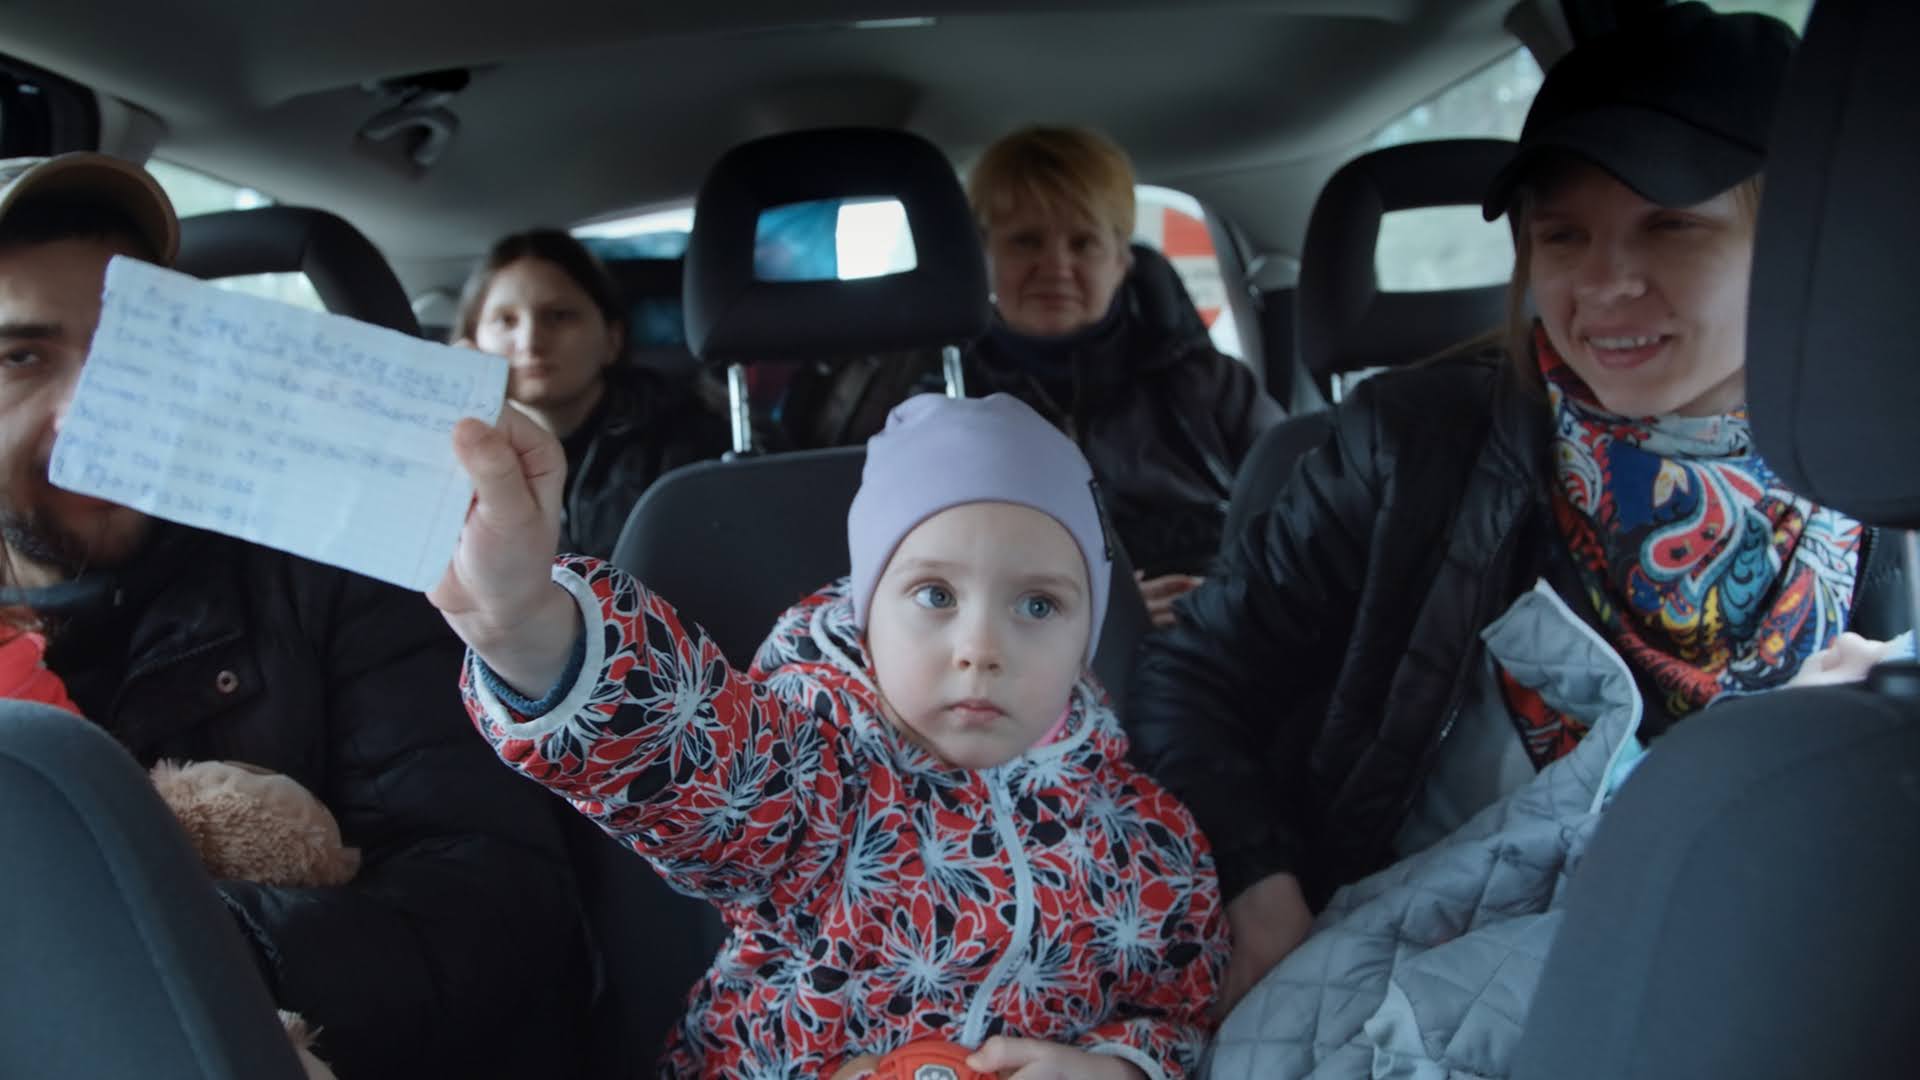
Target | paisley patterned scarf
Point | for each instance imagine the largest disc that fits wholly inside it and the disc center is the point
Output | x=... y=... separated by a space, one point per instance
x=1707 y=575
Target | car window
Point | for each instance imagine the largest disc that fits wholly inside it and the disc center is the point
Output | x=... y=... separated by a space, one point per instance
x=660 y=234
x=1451 y=247
x=1175 y=224
x=195 y=192
x=833 y=239
x=1792 y=12
x=823 y=240
x=869 y=237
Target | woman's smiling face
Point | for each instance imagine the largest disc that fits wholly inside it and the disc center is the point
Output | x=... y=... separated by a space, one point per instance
x=1647 y=304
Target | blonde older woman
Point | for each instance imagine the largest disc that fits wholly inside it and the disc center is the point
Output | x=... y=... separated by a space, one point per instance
x=1164 y=418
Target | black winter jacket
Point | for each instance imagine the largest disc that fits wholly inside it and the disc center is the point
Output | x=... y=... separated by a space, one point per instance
x=456 y=928
x=1298 y=705
x=1164 y=419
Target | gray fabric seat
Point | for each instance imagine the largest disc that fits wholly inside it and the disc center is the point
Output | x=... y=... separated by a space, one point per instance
x=120 y=959
x=1746 y=907
x=348 y=272
x=1344 y=321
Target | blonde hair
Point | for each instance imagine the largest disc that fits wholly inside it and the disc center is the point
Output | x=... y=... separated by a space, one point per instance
x=1058 y=170
x=1518 y=331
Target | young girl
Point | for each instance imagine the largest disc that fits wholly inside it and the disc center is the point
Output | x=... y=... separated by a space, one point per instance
x=914 y=809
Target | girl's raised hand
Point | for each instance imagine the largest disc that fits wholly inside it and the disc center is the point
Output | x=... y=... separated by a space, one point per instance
x=498 y=594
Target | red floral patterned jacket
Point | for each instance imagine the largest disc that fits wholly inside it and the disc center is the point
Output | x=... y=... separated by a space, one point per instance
x=875 y=895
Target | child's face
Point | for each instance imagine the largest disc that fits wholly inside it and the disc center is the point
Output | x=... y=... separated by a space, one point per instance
x=978 y=630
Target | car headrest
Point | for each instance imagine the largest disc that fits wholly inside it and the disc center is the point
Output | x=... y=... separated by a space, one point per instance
x=348 y=272
x=656 y=325
x=1832 y=382
x=1346 y=323
x=732 y=317
x=1163 y=299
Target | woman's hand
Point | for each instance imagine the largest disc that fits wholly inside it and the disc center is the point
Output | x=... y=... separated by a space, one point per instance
x=1847 y=660
x=1032 y=1059
x=1268 y=921
x=498 y=593
x=1162 y=591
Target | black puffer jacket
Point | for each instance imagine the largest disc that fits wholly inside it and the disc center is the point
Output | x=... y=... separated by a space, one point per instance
x=646 y=425
x=1298 y=705
x=460 y=923
x=1164 y=420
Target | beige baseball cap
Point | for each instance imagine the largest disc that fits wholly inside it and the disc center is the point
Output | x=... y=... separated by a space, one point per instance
x=113 y=181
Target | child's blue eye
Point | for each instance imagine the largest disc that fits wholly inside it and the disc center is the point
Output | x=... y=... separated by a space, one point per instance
x=1037 y=607
x=937 y=597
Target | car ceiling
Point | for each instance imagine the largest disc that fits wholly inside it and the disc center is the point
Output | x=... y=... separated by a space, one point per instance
x=583 y=109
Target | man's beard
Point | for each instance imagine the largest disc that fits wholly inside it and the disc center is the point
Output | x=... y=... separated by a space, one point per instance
x=39 y=540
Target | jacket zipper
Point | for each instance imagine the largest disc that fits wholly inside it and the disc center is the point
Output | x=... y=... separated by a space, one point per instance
x=973 y=1032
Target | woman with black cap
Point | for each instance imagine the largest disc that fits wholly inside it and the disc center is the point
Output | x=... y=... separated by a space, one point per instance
x=1491 y=558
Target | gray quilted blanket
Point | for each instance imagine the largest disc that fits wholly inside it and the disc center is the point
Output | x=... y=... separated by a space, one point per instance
x=1425 y=970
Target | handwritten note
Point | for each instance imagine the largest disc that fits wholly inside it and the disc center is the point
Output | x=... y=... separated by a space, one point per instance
x=312 y=433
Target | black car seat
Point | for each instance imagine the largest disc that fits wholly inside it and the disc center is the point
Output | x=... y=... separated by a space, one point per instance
x=735 y=543
x=1746 y=907
x=1162 y=298
x=120 y=958
x=1345 y=322
x=348 y=272
x=736 y=319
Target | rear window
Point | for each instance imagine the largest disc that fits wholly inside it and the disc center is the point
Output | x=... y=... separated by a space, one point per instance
x=1792 y=12
x=857 y=238
x=1452 y=247
x=661 y=234
x=1175 y=224
x=194 y=192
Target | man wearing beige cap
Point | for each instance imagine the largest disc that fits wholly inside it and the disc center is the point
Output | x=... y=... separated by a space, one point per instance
x=191 y=646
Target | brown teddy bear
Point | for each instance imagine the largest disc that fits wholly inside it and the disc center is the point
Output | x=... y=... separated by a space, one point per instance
x=253 y=824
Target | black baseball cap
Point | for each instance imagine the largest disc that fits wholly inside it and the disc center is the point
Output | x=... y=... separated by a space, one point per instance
x=1676 y=105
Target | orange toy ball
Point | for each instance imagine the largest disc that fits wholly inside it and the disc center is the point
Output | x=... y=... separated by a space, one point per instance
x=928 y=1059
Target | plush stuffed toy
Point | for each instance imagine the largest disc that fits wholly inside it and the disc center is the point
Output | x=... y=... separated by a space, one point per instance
x=258 y=825
x=255 y=825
